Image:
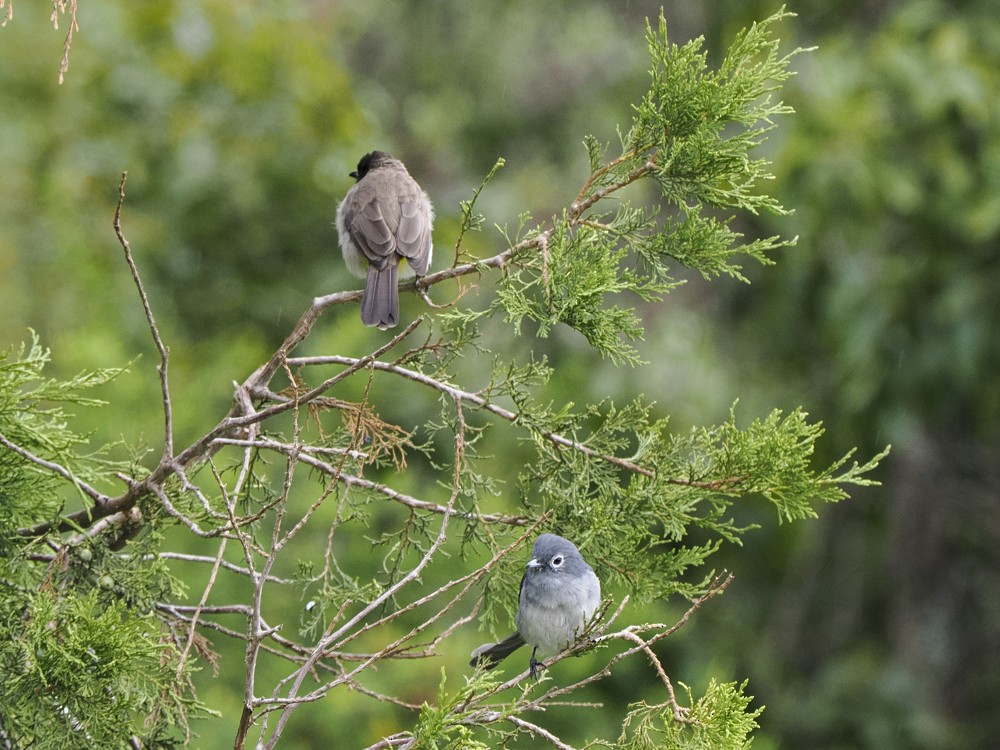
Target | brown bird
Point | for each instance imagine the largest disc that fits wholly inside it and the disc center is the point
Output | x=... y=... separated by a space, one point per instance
x=384 y=220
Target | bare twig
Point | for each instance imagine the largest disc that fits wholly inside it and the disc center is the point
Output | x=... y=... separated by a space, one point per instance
x=59 y=6
x=99 y=498
x=168 y=430
x=538 y=731
x=480 y=402
x=304 y=454
x=225 y=565
x=402 y=740
x=587 y=196
x=293 y=698
x=182 y=658
x=660 y=632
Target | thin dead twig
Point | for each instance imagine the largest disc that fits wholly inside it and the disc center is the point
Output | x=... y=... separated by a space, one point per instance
x=168 y=437
x=59 y=6
x=99 y=498
x=480 y=402
x=350 y=480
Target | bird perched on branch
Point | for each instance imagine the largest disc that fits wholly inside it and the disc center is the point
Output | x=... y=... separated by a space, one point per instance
x=384 y=221
x=559 y=594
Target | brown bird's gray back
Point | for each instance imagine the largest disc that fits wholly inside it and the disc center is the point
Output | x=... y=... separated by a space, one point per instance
x=384 y=219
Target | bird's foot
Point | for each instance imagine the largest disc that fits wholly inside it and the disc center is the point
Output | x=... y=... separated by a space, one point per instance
x=534 y=667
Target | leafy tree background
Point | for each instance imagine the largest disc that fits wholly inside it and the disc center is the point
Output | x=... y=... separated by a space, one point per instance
x=871 y=627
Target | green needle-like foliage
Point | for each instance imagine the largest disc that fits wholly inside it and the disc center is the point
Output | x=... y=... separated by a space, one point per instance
x=341 y=526
x=692 y=135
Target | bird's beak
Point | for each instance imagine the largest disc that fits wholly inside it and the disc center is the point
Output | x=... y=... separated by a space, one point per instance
x=354 y=175
x=534 y=564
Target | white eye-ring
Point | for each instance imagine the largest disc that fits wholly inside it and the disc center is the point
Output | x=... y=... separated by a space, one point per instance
x=557 y=561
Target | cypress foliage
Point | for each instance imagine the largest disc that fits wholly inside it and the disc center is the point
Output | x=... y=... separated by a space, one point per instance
x=96 y=648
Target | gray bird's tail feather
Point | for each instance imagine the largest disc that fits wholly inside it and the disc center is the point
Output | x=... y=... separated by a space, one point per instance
x=490 y=654
x=380 y=300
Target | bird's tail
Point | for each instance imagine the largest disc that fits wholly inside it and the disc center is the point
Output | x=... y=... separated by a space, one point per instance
x=380 y=300
x=490 y=654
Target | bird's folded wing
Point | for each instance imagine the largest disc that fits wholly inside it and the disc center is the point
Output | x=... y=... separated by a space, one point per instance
x=371 y=233
x=414 y=236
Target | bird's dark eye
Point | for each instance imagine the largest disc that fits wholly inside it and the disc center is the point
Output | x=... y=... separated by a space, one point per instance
x=557 y=561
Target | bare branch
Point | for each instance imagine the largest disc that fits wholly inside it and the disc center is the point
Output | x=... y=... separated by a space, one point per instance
x=336 y=635
x=99 y=498
x=168 y=430
x=539 y=732
x=588 y=197
x=478 y=401
x=304 y=454
x=59 y=6
x=182 y=658
x=225 y=565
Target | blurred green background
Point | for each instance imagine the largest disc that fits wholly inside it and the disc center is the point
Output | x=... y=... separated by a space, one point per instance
x=875 y=626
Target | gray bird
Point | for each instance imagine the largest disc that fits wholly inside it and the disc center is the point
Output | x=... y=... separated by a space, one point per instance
x=384 y=219
x=559 y=594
